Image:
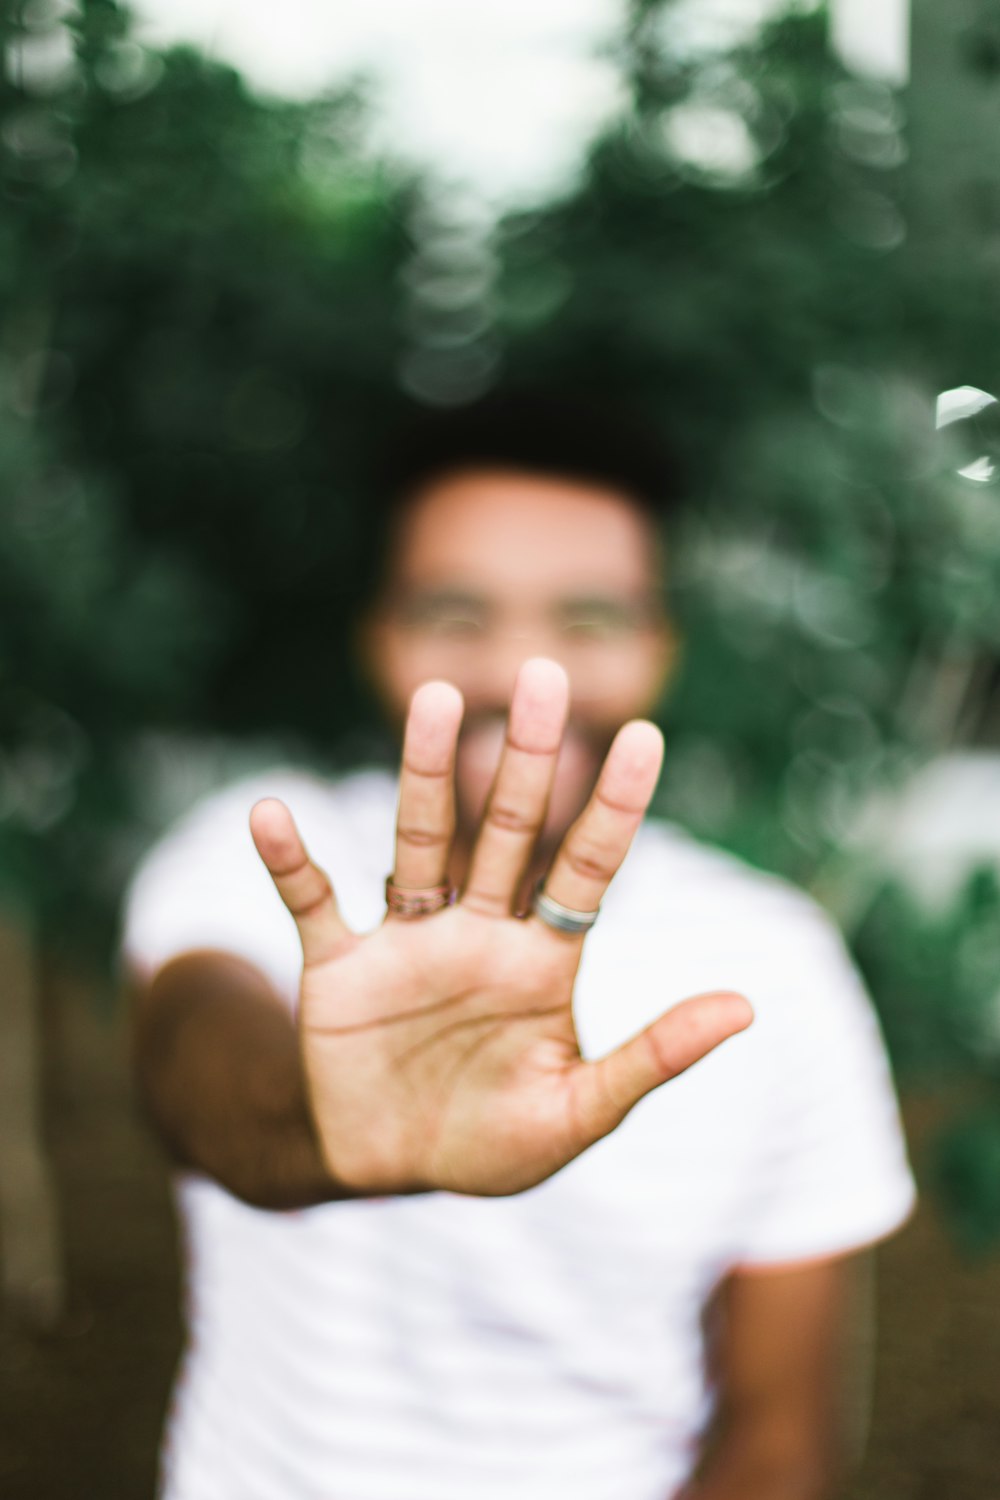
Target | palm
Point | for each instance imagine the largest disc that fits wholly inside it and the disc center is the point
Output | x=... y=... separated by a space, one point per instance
x=442 y=1052
x=461 y=1081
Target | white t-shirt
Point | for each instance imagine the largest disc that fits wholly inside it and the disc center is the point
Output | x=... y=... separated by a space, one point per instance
x=548 y=1345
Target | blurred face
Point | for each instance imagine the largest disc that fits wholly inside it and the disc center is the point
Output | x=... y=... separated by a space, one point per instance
x=490 y=567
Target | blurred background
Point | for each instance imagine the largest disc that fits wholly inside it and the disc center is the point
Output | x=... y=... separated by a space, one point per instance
x=236 y=239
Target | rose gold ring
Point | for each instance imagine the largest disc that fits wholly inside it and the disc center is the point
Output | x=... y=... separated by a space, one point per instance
x=420 y=903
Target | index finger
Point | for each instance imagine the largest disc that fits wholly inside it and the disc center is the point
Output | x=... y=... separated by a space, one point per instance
x=425 y=822
x=599 y=840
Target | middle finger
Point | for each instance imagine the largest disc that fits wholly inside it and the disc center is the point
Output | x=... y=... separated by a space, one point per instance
x=515 y=811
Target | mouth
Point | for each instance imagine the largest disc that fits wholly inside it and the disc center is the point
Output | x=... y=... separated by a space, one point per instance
x=480 y=747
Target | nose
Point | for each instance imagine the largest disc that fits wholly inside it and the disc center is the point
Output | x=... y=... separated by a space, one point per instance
x=498 y=661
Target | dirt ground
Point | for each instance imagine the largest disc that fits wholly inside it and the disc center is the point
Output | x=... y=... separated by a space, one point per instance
x=81 y=1406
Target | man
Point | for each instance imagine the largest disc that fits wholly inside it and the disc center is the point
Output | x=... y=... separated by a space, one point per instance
x=433 y=1252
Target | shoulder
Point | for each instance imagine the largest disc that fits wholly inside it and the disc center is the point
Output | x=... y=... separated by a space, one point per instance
x=809 y=1081
x=201 y=884
x=712 y=921
x=679 y=875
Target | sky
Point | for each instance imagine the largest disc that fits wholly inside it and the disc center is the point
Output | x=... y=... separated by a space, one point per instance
x=503 y=93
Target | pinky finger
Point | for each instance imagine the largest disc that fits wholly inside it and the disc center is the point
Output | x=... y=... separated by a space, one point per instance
x=303 y=887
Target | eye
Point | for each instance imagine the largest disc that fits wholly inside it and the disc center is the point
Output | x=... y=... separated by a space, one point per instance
x=453 y=623
x=600 y=620
x=445 y=617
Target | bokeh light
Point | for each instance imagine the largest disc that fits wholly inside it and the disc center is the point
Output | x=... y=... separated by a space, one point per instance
x=969 y=423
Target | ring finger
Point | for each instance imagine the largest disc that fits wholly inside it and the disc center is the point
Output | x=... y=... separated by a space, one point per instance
x=598 y=841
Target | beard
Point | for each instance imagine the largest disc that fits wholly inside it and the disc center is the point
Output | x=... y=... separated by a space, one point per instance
x=480 y=744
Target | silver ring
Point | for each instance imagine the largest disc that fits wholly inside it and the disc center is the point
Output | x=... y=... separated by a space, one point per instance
x=562 y=918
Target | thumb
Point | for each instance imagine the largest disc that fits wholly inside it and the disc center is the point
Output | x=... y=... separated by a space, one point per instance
x=607 y=1089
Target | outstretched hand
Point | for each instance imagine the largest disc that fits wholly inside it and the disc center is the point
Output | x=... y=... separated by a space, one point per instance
x=440 y=1052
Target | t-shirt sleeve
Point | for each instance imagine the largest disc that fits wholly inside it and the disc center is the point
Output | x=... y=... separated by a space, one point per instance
x=835 y=1175
x=204 y=886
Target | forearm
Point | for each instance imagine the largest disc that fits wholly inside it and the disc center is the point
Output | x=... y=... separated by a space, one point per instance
x=218 y=1066
x=747 y=1463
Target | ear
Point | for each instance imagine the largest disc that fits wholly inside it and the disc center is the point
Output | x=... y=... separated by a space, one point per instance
x=366 y=642
x=669 y=650
x=673 y=653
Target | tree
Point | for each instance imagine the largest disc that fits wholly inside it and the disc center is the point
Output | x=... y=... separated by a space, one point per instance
x=197 y=338
x=737 y=258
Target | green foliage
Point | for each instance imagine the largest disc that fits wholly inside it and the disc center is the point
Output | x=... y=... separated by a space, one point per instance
x=937 y=979
x=198 y=334
x=966 y=1174
x=765 y=310
x=937 y=976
